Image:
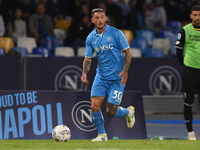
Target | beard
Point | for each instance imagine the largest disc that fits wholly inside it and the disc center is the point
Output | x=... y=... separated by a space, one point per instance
x=101 y=27
x=197 y=23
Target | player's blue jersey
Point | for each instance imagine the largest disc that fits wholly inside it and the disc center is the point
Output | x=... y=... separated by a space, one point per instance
x=109 y=47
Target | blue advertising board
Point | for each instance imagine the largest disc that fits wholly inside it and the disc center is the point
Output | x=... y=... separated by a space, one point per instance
x=33 y=115
x=10 y=69
x=149 y=75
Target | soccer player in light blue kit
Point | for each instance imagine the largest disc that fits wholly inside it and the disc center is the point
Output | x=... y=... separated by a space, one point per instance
x=114 y=59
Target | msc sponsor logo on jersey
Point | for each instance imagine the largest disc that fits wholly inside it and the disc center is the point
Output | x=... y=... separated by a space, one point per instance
x=82 y=116
x=165 y=78
x=194 y=38
x=69 y=78
x=106 y=47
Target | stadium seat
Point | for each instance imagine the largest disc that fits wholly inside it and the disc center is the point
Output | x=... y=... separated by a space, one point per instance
x=81 y=52
x=60 y=34
x=41 y=51
x=2 y=51
x=141 y=44
x=49 y=42
x=35 y=55
x=136 y=52
x=172 y=37
x=174 y=25
x=64 y=51
x=165 y=34
x=63 y=24
x=145 y=34
x=162 y=43
x=27 y=42
x=172 y=46
x=6 y=43
x=154 y=52
x=23 y=51
x=128 y=34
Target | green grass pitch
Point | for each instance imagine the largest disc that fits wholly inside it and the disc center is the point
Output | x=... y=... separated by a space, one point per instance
x=108 y=145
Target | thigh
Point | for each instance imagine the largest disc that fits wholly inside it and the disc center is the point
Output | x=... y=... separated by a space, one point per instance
x=189 y=85
x=115 y=92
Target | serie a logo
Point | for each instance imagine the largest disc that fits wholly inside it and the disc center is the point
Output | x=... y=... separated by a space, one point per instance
x=69 y=78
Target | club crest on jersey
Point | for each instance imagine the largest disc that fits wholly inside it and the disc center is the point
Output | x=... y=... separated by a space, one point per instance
x=109 y=38
x=96 y=49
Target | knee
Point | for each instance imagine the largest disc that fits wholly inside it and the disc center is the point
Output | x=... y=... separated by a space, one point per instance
x=188 y=99
x=95 y=108
x=111 y=109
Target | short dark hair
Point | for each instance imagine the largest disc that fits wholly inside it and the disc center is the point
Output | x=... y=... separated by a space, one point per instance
x=98 y=10
x=195 y=8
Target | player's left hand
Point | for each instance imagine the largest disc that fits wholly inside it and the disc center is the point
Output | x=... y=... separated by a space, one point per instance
x=124 y=75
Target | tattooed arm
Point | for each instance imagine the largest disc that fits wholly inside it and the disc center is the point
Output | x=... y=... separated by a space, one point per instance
x=124 y=73
x=86 y=67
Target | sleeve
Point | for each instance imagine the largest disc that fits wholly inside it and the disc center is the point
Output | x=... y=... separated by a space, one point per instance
x=49 y=25
x=2 y=28
x=180 y=45
x=9 y=29
x=89 y=50
x=25 y=34
x=180 y=39
x=31 y=26
x=179 y=55
x=122 y=41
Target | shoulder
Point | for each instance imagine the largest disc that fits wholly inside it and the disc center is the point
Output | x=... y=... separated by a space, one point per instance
x=182 y=31
x=187 y=26
x=114 y=31
x=33 y=16
x=22 y=21
x=90 y=36
x=47 y=17
x=111 y=29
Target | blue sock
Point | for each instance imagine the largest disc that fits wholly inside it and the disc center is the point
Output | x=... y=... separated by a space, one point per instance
x=98 y=121
x=121 y=112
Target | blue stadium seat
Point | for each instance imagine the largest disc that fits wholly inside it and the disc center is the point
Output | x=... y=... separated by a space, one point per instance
x=2 y=51
x=154 y=52
x=23 y=51
x=174 y=25
x=165 y=34
x=142 y=44
x=49 y=42
x=41 y=51
x=173 y=42
x=173 y=37
x=145 y=34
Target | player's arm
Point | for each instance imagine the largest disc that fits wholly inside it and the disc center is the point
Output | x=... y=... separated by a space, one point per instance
x=124 y=73
x=86 y=67
x=180 y=45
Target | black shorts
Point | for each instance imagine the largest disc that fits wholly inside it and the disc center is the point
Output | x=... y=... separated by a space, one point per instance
x=191 y=82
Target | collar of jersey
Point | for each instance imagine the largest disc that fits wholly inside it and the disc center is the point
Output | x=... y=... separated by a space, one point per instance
x=96 y=33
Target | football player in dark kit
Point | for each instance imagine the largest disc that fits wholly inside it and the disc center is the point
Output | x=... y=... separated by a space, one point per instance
x=189 y=40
